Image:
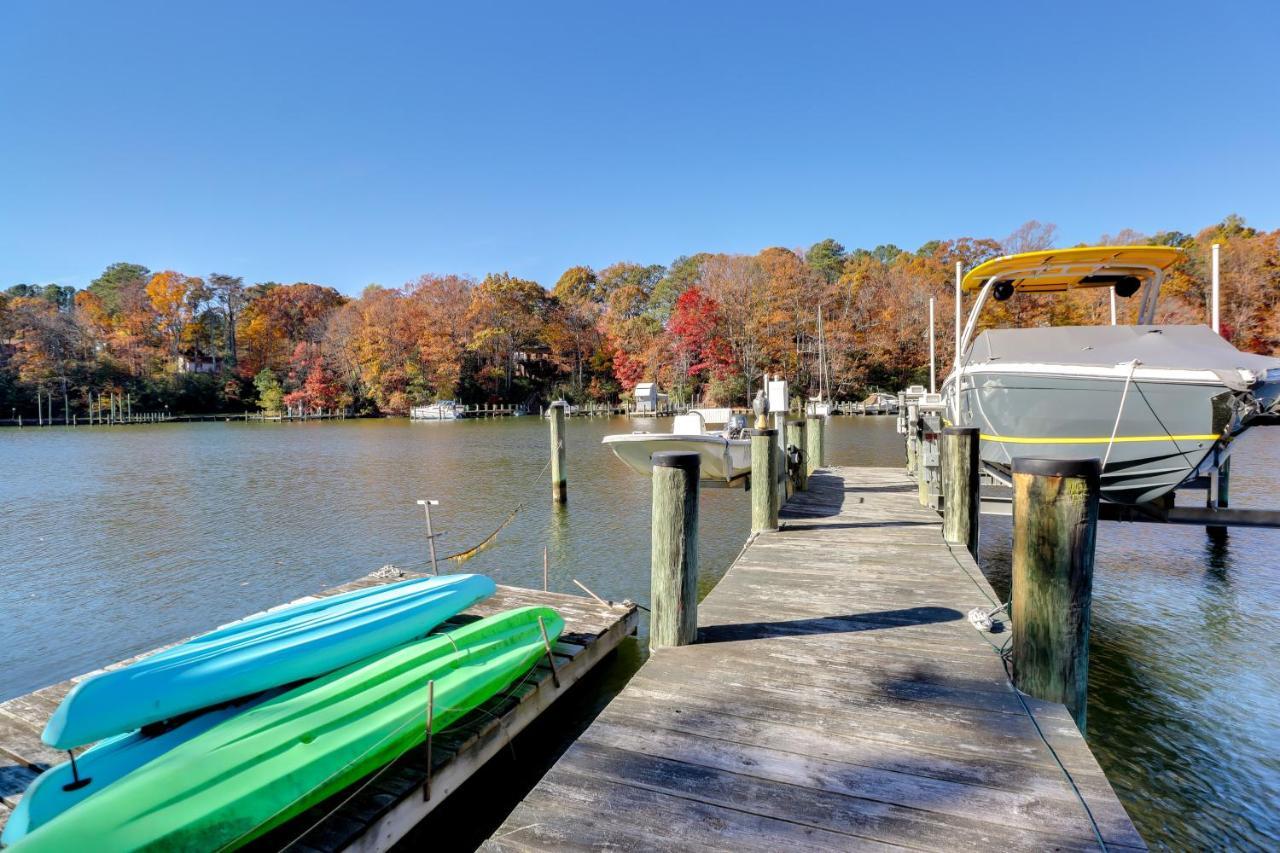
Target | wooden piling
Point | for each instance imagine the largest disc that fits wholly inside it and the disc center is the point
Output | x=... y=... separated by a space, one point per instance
x=812 y=442
x=796 y=432
x=960 y=496
x=559 y=485
x=764 y=480
x=674 y=555
x=1055 y=520
x=922 y=470
x=1220 y=497
x=913 y=441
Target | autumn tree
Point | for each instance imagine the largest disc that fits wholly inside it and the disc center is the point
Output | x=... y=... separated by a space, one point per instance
x=168 y=292
x=508 y=313
x=228 y=291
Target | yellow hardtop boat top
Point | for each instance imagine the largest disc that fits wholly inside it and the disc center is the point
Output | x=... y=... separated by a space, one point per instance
x=1063 y=269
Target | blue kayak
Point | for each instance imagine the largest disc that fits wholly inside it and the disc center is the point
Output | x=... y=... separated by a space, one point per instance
x=256 y=654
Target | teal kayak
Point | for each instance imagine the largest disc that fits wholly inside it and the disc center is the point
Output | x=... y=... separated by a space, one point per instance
x=256 y=654
x=254 y=771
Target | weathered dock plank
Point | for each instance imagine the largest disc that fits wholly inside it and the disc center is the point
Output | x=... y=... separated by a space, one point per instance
x=376 y=812
x=837 y=698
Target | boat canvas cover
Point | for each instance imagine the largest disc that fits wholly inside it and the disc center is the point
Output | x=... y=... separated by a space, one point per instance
x=1167 y=347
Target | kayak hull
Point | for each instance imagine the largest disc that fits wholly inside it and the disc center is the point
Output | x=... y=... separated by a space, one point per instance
x=259 y=653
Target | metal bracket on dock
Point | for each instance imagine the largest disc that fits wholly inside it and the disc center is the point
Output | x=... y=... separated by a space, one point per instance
x=551 y=659
x=431 y=713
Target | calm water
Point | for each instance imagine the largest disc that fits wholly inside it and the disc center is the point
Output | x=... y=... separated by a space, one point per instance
x=116 y=541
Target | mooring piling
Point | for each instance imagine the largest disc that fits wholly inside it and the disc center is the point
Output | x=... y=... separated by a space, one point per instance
x=913 y=440
x=960 y=500
x=764 y=481
x=559 y=486
x=796 y=437
x=1055 y=520
x=813 y=443
x=674 y=555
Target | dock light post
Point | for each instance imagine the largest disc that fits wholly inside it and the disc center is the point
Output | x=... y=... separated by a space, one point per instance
x=431 y=536
x=1055 y=521
x=674 y=555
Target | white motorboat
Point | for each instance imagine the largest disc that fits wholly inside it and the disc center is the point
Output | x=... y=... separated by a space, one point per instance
x=1159 y=405
x=441 y=410
x=726 y=453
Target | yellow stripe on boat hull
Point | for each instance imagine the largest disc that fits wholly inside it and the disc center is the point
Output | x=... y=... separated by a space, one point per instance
x=1106 y=439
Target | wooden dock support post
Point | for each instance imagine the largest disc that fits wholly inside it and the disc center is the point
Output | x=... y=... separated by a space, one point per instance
x=922 y=470
x=813 y=443
x=1055 y=521
x=913 y=441
x=559 y=485
x=960 y=498
x=796 y=437
x=674 y=558
x=764 y=481
x=1219 y=497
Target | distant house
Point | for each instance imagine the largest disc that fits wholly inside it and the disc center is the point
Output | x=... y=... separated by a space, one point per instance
x=197 y=364
x=648 y=398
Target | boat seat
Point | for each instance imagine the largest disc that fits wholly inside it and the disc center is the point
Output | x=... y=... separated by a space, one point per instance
x=690 y=424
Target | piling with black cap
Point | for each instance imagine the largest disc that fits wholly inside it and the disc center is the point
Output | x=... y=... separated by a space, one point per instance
x=960 y=487
x=1055 y=521
x=764 y=480
x=673 y=563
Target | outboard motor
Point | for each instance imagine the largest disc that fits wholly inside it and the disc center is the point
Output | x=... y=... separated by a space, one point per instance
x=736 y=426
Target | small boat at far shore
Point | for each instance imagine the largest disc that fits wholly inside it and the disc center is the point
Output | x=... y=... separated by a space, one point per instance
x=725 y=454
x=443 y=410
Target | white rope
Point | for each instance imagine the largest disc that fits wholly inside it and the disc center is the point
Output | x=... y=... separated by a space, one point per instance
x=1133 y=365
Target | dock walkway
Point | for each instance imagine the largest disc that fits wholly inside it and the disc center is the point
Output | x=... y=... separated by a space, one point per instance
x=837 y=698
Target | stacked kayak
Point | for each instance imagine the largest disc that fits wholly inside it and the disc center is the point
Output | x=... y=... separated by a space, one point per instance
x=231 y=780
x=257 y=654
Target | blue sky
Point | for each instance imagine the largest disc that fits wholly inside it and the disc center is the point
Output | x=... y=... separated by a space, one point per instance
x=350 y=143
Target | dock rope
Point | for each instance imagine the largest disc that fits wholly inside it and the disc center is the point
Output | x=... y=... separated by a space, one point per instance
x=1133 y=366
x=1006 y=654
x=467 y=554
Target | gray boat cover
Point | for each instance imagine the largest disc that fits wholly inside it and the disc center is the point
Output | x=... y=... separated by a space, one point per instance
x=1177 y=347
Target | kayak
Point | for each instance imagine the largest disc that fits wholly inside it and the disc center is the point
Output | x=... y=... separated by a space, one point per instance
x=257 y=769
x=53 y=791
x=269 y=650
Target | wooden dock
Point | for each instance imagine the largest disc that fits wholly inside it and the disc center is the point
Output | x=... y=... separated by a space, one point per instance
x=838 y=698
x=381 y=813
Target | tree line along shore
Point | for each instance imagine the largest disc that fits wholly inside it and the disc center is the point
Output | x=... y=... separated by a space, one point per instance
x=705 y=327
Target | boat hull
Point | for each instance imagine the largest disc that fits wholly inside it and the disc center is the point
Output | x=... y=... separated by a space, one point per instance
x=1167 y=431
x=724 y=459
x=251 y=773
x=259 y=653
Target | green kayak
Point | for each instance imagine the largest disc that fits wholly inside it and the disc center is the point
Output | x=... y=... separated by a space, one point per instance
x=250 y=773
